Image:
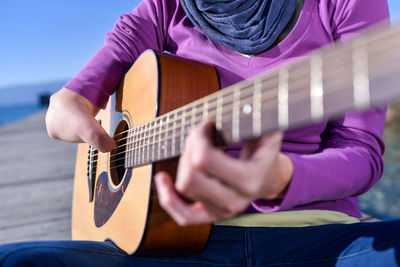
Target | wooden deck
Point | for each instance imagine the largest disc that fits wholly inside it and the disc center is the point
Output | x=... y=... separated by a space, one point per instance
x=36 y=180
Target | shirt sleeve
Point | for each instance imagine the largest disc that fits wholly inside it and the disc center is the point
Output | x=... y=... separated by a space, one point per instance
x=143 y=28
x=350 y=161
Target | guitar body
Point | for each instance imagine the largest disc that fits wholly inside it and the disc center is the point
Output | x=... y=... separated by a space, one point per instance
x=162 y=97
x=121 y=204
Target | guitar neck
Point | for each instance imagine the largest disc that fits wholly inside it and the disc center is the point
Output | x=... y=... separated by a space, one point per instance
x=325 y=85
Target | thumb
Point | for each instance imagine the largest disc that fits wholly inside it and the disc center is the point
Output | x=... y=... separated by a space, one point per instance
x=257 y=148
x=269 y=145
x=96 y=136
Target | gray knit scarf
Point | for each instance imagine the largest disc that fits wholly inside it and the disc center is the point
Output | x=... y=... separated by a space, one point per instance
x=246 y=26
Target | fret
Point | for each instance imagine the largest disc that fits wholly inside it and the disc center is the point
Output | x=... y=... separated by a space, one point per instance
x=319 y=88
x=147 y=146
x=213 y=109
x=178 y=132
x=165 y=137
x=153 y=135
x=235 y=115
x=218 y=123
x=153 y=142
x=205 y=110
x=257 y=104
x=159 y=139
x=150 y=142
x=182 y=135
x=316 y=87
x=141 y=145
x=193 y=117
x=128 y=157
x=360 y=74
x=144 y=136
x=131 y=147
x=173 y=133
x=135 y=145
x=189 y=115
x=283 y=99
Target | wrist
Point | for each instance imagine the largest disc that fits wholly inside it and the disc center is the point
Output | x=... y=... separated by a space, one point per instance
x=285 y=174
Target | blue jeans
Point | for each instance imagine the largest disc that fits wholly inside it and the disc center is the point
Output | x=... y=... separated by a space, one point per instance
x=361 y=244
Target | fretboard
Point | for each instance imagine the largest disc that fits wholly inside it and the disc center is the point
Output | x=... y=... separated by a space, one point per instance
x=329 y=82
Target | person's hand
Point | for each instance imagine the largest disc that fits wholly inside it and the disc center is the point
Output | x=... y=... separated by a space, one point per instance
x=218 y=185
x=70 y=118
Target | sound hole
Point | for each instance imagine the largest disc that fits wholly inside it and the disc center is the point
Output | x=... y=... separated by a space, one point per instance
x=117 y=158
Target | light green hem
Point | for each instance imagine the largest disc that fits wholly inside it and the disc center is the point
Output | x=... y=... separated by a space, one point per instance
x=290 y=219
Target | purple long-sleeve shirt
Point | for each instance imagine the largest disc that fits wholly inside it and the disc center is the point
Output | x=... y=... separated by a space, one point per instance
x=334 y=161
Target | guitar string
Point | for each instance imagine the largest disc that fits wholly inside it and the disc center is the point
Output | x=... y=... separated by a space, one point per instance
x=228 y=102
x=165 y=119
x=196 y=115
x=141 y=150
x=144 y=132
x=143 y=135
x=167 y=137
x=148 y=146
x=221 y=93
x=168 y=130
x=331 y=53
x=142 y=162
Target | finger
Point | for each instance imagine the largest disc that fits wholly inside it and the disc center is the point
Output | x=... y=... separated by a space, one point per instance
x=182 y=213
x=219 y=199
x=267 y=145
x=96 y=136
x=239 y=175
x=249 y=148
x=201 y=154
x=70 y=117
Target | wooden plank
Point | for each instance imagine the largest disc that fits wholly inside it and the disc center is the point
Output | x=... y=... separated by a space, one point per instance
x=36 y=181
x=55 y=229
x=35 y=202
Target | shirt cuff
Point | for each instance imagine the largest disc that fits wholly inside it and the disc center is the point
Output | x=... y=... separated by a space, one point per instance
x=293 y=194
x=95 y=95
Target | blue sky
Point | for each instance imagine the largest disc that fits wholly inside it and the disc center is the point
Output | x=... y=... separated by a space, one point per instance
x=48 y=40
x=45 y=40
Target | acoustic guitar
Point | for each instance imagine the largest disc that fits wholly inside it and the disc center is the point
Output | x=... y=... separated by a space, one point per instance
x=162 y=97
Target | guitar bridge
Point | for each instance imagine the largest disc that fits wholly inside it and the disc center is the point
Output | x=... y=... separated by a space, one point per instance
x=91 y=169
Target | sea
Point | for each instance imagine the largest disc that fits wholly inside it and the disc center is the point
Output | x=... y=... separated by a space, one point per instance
x=14 y=113
x=19 y=101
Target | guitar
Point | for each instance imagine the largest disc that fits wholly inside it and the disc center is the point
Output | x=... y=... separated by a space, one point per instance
x=152 y=112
